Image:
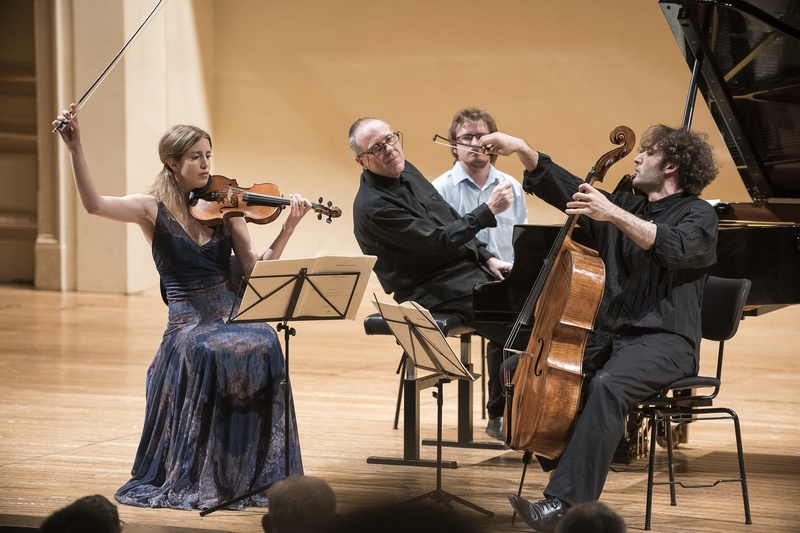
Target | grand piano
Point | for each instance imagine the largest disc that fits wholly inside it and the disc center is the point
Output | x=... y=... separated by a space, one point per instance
x=745 y=63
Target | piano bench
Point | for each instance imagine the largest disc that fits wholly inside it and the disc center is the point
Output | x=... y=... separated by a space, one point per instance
x=451 y=325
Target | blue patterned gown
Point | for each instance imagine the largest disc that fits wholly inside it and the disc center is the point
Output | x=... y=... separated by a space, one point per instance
x=214 y=418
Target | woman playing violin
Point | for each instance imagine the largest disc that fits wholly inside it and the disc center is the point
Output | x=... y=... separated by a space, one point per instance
x=214 y=416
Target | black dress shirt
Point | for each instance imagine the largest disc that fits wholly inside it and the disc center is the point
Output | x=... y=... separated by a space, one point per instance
x=653 y=291
x=426 y=252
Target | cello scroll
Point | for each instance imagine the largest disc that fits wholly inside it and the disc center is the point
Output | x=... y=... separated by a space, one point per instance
x=620 y=135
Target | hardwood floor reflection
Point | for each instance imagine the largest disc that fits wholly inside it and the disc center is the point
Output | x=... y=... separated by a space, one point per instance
x=72 y=370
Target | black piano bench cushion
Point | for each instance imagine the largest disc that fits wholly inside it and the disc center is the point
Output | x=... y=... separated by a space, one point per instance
x=450 y=325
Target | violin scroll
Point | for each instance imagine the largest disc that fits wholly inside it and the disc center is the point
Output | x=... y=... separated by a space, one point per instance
x=328 y=210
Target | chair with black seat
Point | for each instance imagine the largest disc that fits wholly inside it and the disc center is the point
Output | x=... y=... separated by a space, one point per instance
x=681 y=402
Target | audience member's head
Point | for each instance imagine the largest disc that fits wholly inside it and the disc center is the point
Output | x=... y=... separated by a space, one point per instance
x=591 y=517
x=300 y=504
x=422 y=517
x=90 y=513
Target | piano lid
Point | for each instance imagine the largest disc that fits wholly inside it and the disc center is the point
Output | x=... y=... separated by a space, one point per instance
x=745 y=60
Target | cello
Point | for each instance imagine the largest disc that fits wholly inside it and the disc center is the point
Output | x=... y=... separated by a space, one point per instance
x=544 y=395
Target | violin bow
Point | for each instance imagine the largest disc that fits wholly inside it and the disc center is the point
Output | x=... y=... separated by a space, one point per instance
x=458 y=145
x=112 y=64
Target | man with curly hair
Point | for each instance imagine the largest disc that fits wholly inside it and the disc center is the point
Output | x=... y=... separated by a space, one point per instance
x=657 y=246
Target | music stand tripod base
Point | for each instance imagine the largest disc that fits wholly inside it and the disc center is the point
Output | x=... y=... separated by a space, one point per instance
x=421 y=338
x=438 y=494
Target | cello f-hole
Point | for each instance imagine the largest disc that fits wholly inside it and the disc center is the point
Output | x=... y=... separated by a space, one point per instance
x=536 y=370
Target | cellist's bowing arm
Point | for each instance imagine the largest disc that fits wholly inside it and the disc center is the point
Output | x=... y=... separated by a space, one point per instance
x=504 y=144
x=588 y=201
x=592 y=203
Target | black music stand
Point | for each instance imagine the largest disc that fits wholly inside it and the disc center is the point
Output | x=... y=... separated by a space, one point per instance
x=301 y=289
x=416 y=331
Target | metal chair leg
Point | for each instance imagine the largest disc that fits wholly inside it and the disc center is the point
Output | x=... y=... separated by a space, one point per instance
x=483 y=378
x=670 y=457
x=654 y=421
x=740 y=451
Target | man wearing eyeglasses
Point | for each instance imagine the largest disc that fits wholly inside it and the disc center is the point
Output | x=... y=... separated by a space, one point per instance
x=469 y=183
x=427 y=252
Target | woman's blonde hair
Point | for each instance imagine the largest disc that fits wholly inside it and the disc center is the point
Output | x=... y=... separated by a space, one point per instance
x=172 y=146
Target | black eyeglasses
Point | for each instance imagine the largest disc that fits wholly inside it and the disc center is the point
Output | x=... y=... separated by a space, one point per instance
x=467 y=138
x=389 y=140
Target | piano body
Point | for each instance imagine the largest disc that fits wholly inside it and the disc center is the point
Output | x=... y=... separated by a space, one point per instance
x=745 y=62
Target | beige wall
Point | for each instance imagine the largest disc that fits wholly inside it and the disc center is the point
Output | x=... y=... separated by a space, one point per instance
x=291 y=78
x=279 y=83
x=162 y=79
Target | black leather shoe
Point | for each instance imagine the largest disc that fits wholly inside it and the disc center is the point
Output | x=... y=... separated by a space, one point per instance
x=495 y=428
x=542 y=516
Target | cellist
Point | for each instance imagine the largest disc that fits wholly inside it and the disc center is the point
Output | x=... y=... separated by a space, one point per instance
x=657 y=246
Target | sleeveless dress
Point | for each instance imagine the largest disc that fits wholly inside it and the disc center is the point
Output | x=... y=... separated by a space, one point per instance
x=214 y=417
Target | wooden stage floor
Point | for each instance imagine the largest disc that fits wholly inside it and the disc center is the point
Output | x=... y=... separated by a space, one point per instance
x=72 y=369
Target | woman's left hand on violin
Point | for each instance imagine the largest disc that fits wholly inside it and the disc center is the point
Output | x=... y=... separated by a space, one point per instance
x=298 y=207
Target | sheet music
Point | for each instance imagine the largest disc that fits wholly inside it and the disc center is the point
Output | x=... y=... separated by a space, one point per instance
x=423 y=341
x=333 y=288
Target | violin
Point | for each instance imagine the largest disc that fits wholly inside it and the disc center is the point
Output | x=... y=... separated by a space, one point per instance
x=222 y=198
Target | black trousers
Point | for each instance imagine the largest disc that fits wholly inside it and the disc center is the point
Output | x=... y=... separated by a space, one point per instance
x=621 y=371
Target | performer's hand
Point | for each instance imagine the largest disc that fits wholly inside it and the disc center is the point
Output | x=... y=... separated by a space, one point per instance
x=499 y=268
x=501 y=198
x=298 y=207
x=504 y=144
x=592 y=203
x=70 y=133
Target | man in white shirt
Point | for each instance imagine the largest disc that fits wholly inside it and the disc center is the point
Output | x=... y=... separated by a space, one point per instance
x=465 y=186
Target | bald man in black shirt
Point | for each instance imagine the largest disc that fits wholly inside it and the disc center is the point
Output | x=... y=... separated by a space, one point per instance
x=426 y=252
